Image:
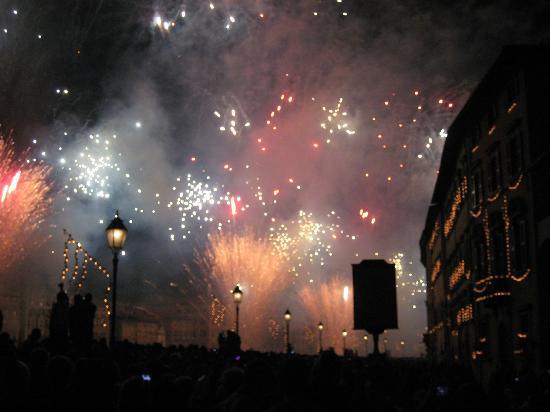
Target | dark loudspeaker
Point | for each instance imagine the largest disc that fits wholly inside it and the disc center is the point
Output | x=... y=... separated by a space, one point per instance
x=374 y=296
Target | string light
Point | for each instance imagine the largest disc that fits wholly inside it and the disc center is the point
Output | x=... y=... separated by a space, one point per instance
x=457 y=274
x=434 y=236
x=494 y=197
x=83 y=269
x=435 y=271
x=465 y=314
x=516 y=184
x=458 y=198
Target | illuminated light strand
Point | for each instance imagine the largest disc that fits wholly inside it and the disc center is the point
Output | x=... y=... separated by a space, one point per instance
x=516 y=184
x=494 y=197
x=433 y=236
x=492 y=130
x=512 y=107
x=79 y=249
x=459 y=196
x=435 y=271
x=522 y=277
x=493 y=295
x=489 y=279
x=487 y=236
x=435 y=328
x=465 y=314
x=480 y=290
x=475 y=214
x=457 y=274
x=506 y=218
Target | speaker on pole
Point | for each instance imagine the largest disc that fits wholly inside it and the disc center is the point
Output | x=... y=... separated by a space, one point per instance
x=374 y=297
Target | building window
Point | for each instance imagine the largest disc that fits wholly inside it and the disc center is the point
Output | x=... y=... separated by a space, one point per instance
x=524 y=320
x=498 y=245
x=476 y=190
x=512 y=91
x=478 y=253
x=515 y=153
x=493 y=114
x=493 y=172
x=475 y=137
x=519 y=244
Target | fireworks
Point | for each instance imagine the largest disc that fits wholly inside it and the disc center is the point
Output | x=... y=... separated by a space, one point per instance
x=306 y=240
x=336 y=122
x=95 y=170
x=330 y=302
x=283 y=100
x=252 y=262
x=410 y=287
x=221 y=133
x=233 y=119
x=195 y=203
x=26 y=200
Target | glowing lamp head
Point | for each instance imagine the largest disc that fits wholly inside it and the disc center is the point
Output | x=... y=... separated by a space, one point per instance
x=344 y=333
x=237 y=295
x=366 y=338
x=288 y=315
x=116 y=234
x=320 y=326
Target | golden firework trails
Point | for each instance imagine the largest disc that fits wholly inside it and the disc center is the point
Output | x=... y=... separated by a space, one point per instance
x=331 y=303
x=26 y=197
x=253 y=263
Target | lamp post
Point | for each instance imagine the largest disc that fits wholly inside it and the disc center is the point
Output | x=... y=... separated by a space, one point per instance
x=366 y=339
x=288 y=317
x=320 y=328
x=116 y=236
x=237 y=298
x=344 y=335
x=385 y=345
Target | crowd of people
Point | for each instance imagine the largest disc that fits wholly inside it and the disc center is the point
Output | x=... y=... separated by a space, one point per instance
x=72 y=372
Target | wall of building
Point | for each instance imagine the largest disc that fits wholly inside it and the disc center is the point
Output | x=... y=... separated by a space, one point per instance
x=481 y=240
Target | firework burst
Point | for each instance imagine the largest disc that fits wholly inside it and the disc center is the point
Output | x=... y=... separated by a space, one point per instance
x=330 y=303
x=253 y=263
x=26 y=198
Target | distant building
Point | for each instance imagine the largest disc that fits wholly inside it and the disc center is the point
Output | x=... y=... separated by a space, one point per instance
x=486 y=242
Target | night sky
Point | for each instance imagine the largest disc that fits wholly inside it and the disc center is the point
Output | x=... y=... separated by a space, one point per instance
x=315 y=126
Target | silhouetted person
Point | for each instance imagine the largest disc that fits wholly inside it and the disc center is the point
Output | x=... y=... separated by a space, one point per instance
x=88 y=311
x=59 y=320
x=229 y=343
x=76 y=320
x=31 y=343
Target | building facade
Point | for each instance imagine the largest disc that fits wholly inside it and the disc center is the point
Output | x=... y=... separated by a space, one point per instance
x=486 y=242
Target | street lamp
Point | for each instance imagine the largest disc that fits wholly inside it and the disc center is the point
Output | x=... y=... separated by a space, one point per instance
x=288 y=317
x=344 y=335
x=237 y=298
x=366 y=339
x=116 y=236
x=320 y=327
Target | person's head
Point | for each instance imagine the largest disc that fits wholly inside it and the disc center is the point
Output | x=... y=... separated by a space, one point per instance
x=60 y=371
x=231 y=380
x=88 y=297
x=135 y=396
x=36 y=334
